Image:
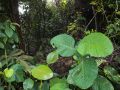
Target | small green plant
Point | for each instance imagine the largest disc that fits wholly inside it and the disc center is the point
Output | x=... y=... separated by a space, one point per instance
x=15 y=66
x=113 y=29
x=8 y=34
x=87 y=53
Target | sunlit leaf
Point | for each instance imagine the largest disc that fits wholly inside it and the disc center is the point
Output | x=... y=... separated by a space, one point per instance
x=52 y=57
x=42 y=72
x=0 y=65
x=118 y=12
x=8 y=72
x=95 y=44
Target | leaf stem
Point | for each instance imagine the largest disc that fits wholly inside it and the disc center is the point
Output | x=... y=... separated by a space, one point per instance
x=41 y=85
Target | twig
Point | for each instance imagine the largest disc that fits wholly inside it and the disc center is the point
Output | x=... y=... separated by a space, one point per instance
x=90 y=21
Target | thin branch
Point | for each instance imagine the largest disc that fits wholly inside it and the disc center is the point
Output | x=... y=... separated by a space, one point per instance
x=90 y=21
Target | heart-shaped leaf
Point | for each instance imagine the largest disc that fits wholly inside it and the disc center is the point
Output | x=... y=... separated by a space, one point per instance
x=42 y=72
x=84 y=74
x=95 y=44
x=8 y=72
x=64 y=44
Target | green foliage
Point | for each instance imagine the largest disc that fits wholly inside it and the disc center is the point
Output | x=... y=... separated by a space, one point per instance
x=112 y=74
x=64 y=44
x=14 y=64
x=45 y=86
x=83 y=73
x=40 y=20
x=74 y=28
x=8 y=31
x=17 y=67
x=42 y=72
x=28 y=84
x=8 y=34
x=52 y=57
x=95 y=44
x=101 y=83
x=58 y=84
x=113 y=29
x=1 y=88
x=19 y=72
x=8 y=72
x=1 y=45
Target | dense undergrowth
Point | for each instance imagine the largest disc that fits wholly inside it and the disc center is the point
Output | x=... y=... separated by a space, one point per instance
x=66 y=47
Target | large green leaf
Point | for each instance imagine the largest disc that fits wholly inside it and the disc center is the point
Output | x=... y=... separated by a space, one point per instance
x=64 y=44
x=42 y=72
x=28 y=84
x=95 y=44
x=58 y=84
x=112 y=74
x=52 y=57
x=84 y=74
x=102 y=83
